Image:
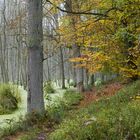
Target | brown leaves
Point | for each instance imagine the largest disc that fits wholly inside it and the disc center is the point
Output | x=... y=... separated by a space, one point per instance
x=95 y=95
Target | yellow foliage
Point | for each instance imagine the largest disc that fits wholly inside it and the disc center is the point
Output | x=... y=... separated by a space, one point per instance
x=104 y=40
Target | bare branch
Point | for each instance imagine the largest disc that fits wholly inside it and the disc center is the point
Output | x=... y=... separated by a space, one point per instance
x=78 y=13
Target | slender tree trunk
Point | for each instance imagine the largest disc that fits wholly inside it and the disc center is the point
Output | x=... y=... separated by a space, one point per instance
x=35 y=57
x=4 y=46
x=86 y=79
x=91 y=79
x=62 y=68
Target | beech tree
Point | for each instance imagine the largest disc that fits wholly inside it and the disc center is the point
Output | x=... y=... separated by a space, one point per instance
x=35 y=57
x=76 y=49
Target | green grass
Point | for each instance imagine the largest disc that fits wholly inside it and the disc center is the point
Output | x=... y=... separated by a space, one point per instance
x=114 y=118
x=48 y=88
x=58 y=110
x=28 y=124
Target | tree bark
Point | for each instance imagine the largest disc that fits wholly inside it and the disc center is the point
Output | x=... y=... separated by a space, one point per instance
x=62 y=68
x=79 y=70
x=35 y=102
x=76 y=50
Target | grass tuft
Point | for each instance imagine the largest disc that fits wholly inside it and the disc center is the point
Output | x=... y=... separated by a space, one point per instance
x=9 y=98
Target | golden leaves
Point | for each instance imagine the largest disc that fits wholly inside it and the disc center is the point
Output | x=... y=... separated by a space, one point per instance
x=104 y=43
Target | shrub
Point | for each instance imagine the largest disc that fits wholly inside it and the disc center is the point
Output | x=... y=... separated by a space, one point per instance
x=48 y=88
x=98 y=82
x=57 y=110
x=9 y=98
x=71 y=97
x=72 y=84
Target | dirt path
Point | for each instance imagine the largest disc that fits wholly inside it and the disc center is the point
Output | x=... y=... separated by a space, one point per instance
x=95 y=94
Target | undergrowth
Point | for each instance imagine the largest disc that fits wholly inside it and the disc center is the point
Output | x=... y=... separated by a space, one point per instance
x=58 y=110
x=9 y=98
x=48 y=88
x=32 y=124
x=114 y=118
x=110 y=118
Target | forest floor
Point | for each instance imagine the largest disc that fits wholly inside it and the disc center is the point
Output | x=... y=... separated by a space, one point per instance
x=22 y=110
x=96 y=94
x=91 y=96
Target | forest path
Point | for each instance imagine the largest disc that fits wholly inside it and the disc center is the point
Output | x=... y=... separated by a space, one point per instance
x=95 y=94
x=89 y=97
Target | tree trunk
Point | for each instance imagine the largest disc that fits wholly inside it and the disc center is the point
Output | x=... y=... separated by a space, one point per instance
x=35 y=57
x=79 y=70
x=86 y=79
x=62 y=68
x=76 y=50
x=91 y=79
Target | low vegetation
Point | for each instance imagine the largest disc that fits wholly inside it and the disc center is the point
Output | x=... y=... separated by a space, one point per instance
x=114 y=118
x=48 y=88
x=58 y=110
x=32 y=125
x=9 y=98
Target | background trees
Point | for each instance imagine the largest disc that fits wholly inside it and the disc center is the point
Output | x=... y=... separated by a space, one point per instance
x=82 y=41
